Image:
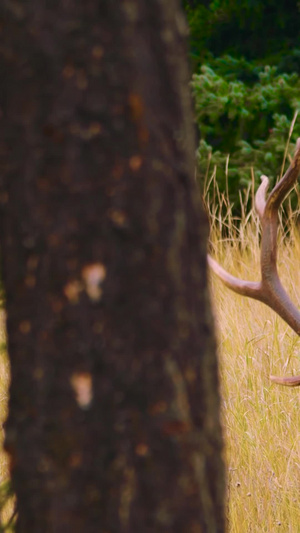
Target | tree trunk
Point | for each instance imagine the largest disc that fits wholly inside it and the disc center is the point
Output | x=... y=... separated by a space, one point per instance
x=114 y=408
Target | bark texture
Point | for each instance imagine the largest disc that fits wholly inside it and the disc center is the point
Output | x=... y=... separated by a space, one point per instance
x=114 y=408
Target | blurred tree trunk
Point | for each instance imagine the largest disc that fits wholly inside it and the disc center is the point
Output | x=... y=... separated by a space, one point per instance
x=114 y=407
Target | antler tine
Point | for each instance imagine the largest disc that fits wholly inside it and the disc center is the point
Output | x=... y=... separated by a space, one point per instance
x=287 y=182
x=292 y=381
x=260 y=197
x=252 y=289
x=269 y=290
x=272 y=290
x=240 y=286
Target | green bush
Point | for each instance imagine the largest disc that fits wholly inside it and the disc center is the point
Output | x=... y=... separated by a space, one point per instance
x=249 y=123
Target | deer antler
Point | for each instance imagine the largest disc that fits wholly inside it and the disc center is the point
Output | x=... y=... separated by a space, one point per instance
x=269 y=290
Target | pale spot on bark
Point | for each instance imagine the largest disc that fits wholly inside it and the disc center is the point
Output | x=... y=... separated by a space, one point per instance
x=82 y=386
x=25 y=327
x=68 y=71
x=142 y=449
x=135 y=162
x=75 y=460
x=118 y=217
x=86 y=132
x=30 y=281
x=93 y=276
x=98 y=52
x=72 y=291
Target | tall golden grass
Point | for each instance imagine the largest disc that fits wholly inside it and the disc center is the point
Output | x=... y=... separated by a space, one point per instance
x=6 y=500
x=261 y=420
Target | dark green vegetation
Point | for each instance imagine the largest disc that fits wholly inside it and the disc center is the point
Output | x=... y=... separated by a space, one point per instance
x=246 y=62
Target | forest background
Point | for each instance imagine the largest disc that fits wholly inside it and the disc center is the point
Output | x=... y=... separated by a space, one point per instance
x=245 y=58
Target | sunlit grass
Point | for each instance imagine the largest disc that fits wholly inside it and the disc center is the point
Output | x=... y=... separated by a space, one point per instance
x=6 y=503
x=4 y=383
x=261 y=420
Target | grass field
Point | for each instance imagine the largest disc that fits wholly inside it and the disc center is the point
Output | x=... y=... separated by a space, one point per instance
x=261 y=420
x=6 y=504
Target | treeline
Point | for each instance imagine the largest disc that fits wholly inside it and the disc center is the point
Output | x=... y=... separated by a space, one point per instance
x=246 y=85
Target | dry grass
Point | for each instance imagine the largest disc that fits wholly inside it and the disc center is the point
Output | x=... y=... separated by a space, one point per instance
x=4 y=383
x=6 y=504
x=261 y=420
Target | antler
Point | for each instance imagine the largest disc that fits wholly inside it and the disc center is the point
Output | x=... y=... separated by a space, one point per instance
x=269 y=290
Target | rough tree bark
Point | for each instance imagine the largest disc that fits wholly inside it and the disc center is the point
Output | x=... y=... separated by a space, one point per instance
x=113 y=419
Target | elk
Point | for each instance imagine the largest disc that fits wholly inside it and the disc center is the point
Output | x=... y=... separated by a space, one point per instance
x=269 y=290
